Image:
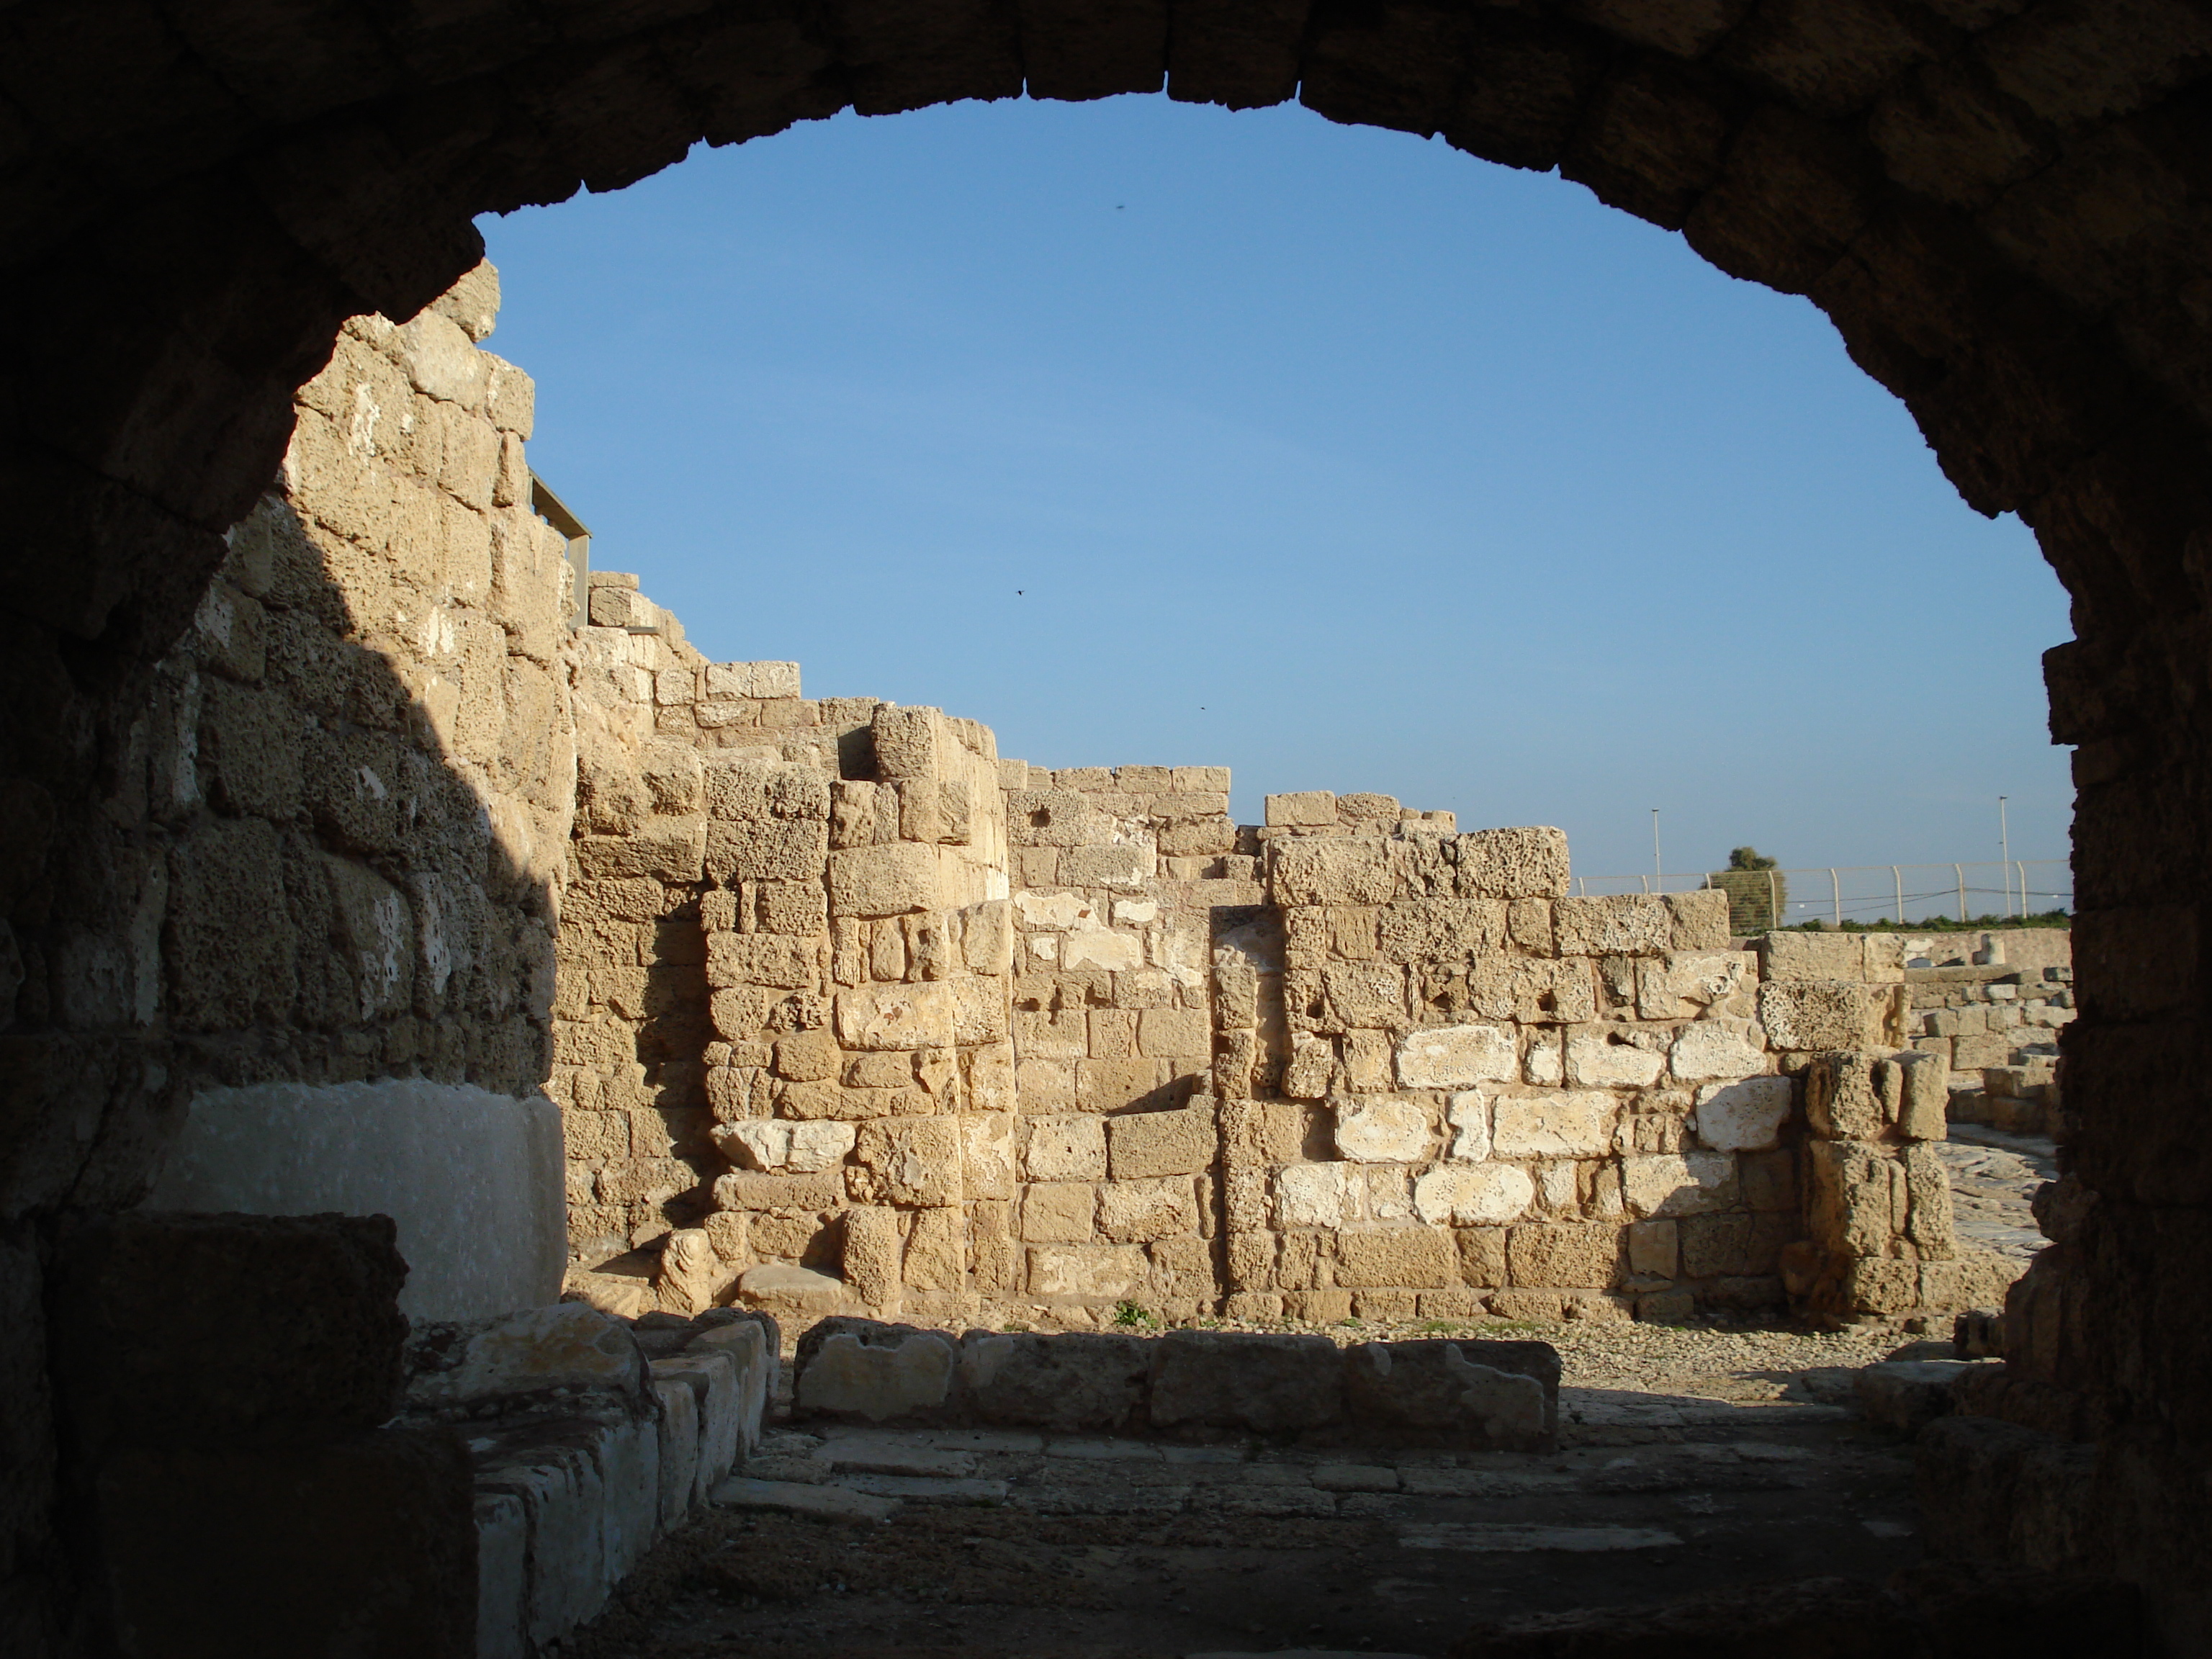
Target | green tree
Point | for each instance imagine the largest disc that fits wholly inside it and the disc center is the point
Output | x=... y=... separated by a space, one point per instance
x=1758 y=897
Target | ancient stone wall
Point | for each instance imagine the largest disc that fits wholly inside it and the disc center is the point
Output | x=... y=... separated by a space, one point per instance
x=855 y=1015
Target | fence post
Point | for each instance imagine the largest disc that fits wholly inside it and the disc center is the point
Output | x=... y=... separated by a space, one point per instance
x=1836 y=892
x=1897 y=876
x=1959 y=871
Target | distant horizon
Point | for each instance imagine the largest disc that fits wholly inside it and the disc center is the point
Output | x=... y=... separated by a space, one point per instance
x=1148 y=434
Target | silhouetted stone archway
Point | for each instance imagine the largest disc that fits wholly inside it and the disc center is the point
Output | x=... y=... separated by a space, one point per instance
x=2001 y=205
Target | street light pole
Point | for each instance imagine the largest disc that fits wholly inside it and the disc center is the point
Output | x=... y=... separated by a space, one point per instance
x=2004 y=845
x=1658 y=870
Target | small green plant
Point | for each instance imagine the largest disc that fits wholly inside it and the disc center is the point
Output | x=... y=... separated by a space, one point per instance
x=1131 y=1316
x=1348 y=1324
x=1440 y=1326
x=1013 y=1326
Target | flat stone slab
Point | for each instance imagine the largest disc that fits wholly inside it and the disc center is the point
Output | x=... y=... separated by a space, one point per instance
x=1355 y=1477
x=928 y=1489
x=864 y=1456
x=1098 y=1448
x=1487 y=1537
x=835 y=1503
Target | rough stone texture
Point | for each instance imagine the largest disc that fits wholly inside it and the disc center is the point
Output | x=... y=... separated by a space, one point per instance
x=1268 y=1384
x=1475 y=1395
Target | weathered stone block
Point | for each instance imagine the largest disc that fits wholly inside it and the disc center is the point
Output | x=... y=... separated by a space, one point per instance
x=1417 y=1258
x=1139 y=1212
x=1455 y=1056
x=1700 y=919
x=1065 y=1148
x=1795 y=957
x=1815 y=1014
x=1529 y=863
x=856 y=1368
x=1498 y=1397
x=1439 y=930
x=1618 y=925
x=1743 y=1117
x=913 y=1162
x=1682 y=986
x=897 y=879
x=1568 y=1256
x=1710 y=1049
x=1678 y=1183
x=1059 y=1213
x=1070 y=1383
x=1481 y=1195
x=1599 y=1057
x=1310 y=1194
x=764 y=850
x=1381 y=1130
x=734 y=959
x=1103 y=1272
x=1307 y=808
x=1144 y=1144
x=1175 y=1034
x=896 y=1017
x=1553 y=1123
x=1234 y=1380
x=1332 y=869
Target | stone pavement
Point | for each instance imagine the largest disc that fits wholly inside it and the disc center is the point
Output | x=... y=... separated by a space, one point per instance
x=1993 y=1175
x=987 y=1541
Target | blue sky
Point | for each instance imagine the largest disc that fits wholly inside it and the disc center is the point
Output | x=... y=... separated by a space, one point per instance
x=1149 y=433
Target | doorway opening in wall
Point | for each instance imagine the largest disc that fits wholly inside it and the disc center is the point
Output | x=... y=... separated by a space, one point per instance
x=1389 y=481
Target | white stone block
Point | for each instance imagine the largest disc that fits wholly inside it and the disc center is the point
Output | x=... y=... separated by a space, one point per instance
x=1684 y=1184
x=503 y=1575
x=1717 y=1048
x=1453 y=1056
x=1563 y=1123
x=847 y=1375
x=1102 y=947
x=1379 y=1129
x=1469 y=1117
x=1311 y=1195
x=1472 y=1194
x=1596 y=1062
x=713 y=1380
x=1743 y=1117
x=629 y=1476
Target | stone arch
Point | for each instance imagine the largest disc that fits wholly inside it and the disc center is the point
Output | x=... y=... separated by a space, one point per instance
x=1998 y=205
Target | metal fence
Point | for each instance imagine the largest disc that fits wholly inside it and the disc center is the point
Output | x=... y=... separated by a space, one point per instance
x=1869 y=892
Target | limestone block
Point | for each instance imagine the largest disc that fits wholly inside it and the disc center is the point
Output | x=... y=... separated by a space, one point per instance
x=771 y=849
x=1453 y=1056
x=980 y=1012
x=1712 y=1048
x=986 y=937
x=1417 y=1258
x=1485 y=1194
x=568 y=1346
x=794 y=907
x=691 y=1276
x=1746 y=1116
x=1653 y=1247
x=1070 y=1382
x=1126 y=861
x=735 y=959
x=937 y=1250
x=1139 y=1212
x=751 y=1342
x=667 y=849
x=1843 y=1096
x=871 y=1254
x=1553 y=1123
x=1332 y=869
x=802 y=1056
x=1100 y=1272
x=1815 y=1014
x=1683 y=985
x=1312 y=807
x=1795 y=957
x=792 y=1294
x=1570 y=1257
x=1071 y=1148
x=1885 y=958
x=1599 y=1057
x=1238 y=1380
x=1924 y=1091
x=783 y=1192
x=1513 y=864
x=1311 y=1065
x=1118 y=1085
x=1381 y=1130
x=1545 y=1062
x=1468 y=1119
x=1927 y=1191
x=1175 y=1034
x=897 y=878
x=1618 y=925
x=679 y=1448
x=1312 y=1194
x=1102 y=947
x=1700 y=919
x=773 y=1145
x=1678 y=1183
x=1437 y=930
x=1500 y=1396
x=896 y=1017
x=859 y=1369
x=1144 y=1144
x=914 y=1163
